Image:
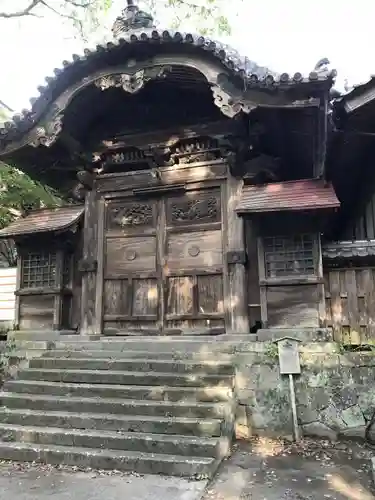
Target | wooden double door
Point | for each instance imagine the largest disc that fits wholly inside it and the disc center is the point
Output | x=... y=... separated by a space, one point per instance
x=163 y=262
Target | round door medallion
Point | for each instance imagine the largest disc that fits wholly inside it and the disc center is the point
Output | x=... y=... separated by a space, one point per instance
x=194 y=251
x=131 y=255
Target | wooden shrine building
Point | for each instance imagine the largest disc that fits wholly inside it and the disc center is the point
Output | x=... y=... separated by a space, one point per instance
x=195 y=183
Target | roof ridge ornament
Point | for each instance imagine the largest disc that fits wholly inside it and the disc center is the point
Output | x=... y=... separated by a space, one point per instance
x=131 y=19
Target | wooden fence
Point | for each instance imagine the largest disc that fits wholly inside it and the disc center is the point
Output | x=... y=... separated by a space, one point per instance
x=350 y=304
x=7 y=299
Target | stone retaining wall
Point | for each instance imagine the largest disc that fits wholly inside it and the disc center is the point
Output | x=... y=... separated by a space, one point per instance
x=335 y=392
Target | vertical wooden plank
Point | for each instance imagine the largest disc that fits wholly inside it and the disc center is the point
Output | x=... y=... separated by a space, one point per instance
x=353 y=310
x=370 y=234
x=327 y=295
x=17 y=297
x=334 y=281
x=210 y=294
x=57 y=306
x=239 y=318
x=226 y=288
x=145 y=297
x=345 y=325
x=89 y=254
x=369 y=287
x=161 y=261
x=180 y=296
x=319 y=271
x=252 y=272
x=263 y=288
x=117 y=298
x=98 y=327
x=362 y=313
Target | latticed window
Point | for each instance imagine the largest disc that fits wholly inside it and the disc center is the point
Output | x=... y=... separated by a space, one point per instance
x=289 y=255
x=39 y=270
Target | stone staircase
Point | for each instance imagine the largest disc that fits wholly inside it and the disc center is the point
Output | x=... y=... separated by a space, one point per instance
x=149 y=405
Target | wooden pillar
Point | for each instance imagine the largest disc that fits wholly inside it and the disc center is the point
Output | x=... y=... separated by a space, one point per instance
x=89 y=265
x=237 y=313
x=57 y=307
x=321 y=289
x=18 y=286
x=100 y=266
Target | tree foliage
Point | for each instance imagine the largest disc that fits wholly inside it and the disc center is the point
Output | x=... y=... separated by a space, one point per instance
x=19 y=194
x=86 y=16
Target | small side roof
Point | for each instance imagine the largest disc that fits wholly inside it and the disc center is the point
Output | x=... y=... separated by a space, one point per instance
x=299 y=195
x=44 y=220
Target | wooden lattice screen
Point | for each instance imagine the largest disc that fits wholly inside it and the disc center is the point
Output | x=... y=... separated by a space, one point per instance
x=350 y=304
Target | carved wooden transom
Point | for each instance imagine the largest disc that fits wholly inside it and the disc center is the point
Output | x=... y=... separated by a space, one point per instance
x=191 y=210
x=135 y=214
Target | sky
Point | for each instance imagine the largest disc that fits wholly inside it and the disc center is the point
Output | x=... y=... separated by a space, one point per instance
x=286 y=36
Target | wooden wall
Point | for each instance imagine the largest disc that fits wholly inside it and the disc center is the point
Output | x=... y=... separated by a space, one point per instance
x=8 y=277
x=363 y=227
x=350 y=304
x=291 y=297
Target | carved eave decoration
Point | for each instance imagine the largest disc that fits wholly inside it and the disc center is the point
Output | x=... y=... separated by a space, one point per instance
x=47 y=135
x=238 y=84
x=131 y=82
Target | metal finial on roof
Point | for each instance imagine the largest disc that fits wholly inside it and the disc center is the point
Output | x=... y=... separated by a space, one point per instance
x=132 y=19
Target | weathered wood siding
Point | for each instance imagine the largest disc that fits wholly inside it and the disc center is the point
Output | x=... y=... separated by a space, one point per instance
x=291 y=281
x=363 y=227
x=37 y=312
x=8 y=278
x=350 y=304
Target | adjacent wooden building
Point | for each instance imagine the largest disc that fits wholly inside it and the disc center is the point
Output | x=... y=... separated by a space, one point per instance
x=197 y=189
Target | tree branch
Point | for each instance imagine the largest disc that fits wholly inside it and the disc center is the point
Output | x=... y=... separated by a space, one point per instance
x=21 y=13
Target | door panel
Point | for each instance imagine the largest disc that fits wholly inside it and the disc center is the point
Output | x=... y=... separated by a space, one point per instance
x=194 y=261
x=145 y=296
x=164 y=263
x=194 y=250
x=128 y=255
x=131 y=283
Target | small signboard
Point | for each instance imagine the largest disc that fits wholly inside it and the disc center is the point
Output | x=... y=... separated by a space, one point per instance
x=289 y=356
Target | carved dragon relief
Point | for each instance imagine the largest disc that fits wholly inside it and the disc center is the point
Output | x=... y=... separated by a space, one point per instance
x=131 y=83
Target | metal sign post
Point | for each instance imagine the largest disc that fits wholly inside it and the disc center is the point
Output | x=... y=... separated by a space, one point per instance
x=290 y=365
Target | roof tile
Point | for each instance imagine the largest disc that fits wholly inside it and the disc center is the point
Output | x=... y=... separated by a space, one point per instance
x=299 y=195
x=44 y=220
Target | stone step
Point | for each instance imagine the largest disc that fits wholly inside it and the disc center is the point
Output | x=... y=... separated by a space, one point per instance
x=155 y=393
x=129 y=441
x=142 y=463
x=139 y=365
x=45 y=335
x=129 y=354
x=114 y=406
x=207 y=345
x=127 y=378
x=212 y=427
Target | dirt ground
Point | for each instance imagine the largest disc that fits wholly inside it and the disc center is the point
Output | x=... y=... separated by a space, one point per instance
x=266 y=469
x=262 y=469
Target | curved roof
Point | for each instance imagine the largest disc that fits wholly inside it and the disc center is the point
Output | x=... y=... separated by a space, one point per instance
x=44 y=220
x=144 y=44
